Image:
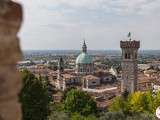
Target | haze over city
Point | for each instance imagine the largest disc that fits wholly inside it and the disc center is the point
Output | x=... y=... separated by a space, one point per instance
x=63 y=24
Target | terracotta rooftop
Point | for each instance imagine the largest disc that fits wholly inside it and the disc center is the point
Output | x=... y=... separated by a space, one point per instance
x=90 y=77
x=68 y=76
x=101 y=73
x=150 y=71
x=143 y=78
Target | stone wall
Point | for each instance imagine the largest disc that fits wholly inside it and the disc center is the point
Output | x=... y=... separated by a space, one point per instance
x=10 y=53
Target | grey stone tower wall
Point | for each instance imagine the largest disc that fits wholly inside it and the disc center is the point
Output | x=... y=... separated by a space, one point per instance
x=61 y=82
x=129 y=65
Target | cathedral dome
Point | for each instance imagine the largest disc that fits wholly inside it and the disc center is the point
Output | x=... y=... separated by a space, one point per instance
x=84 y=58
x=84 y=63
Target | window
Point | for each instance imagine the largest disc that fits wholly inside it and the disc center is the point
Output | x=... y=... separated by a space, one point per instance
x=127 y=56
x=94 y=82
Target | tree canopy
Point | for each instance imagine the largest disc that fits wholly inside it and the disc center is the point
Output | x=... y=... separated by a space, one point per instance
x=34 y=97
x=80 y=102
x=137 y=102
x=123 y=116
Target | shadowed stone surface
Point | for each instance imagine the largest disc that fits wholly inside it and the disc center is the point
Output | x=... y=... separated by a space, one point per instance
x=10 y=53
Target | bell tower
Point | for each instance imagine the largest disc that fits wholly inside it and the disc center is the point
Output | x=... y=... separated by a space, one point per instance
x=61 y=81
x=129 y=64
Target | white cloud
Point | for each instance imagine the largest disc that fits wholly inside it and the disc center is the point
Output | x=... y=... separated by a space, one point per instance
x=117 y=6
x=48 y=24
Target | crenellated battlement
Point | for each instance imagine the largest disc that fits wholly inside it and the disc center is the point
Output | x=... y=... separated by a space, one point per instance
x=130 y=44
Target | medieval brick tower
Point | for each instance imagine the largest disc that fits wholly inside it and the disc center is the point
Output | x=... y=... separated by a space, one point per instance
x=129 y=65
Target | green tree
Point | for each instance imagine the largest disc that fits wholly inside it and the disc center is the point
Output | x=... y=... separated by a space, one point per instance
x=117 y=105
x=156 y=101
x=34 y=97
x=66 y=91
x=79 y=102
x=135 y=102
x=77 y=116
x=113 y=116
x=58 y=115
x=141 y=116
x=122 y=116
x=142 y=102
x=148 y=102
x=91 y=117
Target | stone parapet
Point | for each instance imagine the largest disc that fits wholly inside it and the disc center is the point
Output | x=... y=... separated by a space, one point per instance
x=10 y=54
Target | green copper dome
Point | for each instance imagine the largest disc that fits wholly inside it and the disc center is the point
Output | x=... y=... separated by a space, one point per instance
x=84 y=58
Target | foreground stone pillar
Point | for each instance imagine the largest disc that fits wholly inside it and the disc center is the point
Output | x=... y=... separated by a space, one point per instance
x=10 y=53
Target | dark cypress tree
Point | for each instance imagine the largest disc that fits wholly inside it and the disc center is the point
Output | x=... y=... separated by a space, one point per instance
x=34 y=97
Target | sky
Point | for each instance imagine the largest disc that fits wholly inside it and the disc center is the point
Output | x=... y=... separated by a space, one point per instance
x=64 y=24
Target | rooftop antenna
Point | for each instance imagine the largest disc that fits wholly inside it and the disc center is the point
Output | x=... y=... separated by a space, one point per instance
x=129 y=36
x=84 y=41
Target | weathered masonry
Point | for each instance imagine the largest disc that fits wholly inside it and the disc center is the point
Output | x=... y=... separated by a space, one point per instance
x=10 y=53
x=129 y=65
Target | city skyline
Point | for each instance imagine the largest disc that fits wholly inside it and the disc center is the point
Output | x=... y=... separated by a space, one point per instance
x=50 y=24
